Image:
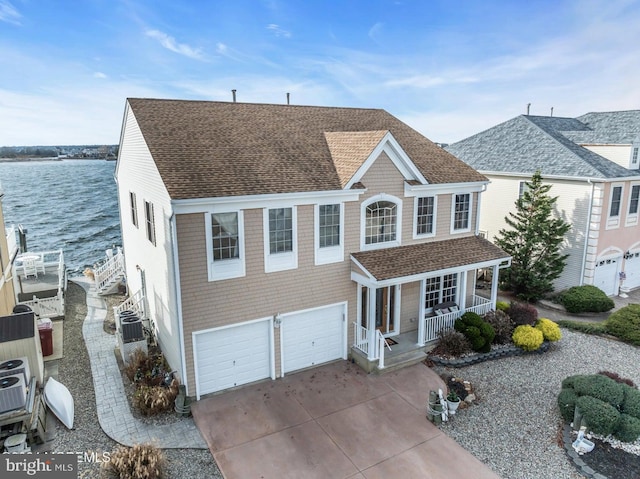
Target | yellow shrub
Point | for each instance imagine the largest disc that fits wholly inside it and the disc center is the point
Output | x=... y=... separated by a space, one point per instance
x=550 y=330
x=527 y=337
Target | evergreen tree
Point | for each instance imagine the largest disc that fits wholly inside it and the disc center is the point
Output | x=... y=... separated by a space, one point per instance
x=534 y=241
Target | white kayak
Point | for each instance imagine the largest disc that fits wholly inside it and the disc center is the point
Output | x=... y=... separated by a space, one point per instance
x=60 y=401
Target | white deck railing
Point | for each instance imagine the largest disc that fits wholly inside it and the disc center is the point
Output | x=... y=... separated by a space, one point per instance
x=133 y=303
x=361 y=338
x=110 y=270
x=433 y=324
x=47 y=307
x=361 y=335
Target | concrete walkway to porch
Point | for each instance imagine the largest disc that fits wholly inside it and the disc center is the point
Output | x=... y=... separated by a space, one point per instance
x=333 y=421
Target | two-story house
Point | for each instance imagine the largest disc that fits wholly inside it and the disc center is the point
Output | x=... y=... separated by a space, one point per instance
x=271 y=238
x=592 y=164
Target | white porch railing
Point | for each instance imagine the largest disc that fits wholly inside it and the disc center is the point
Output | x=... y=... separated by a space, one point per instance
x=433 y=324
x=133 y=303
x=361 y=338
x=106 y=273
x=47 y=307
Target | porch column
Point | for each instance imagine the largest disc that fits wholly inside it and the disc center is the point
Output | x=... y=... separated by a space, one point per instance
x=463 y=289
x=494 y=285
x=422 y=322
x=371 y=325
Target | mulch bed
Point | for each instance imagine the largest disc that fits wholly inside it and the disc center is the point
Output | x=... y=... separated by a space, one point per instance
x=611 y=462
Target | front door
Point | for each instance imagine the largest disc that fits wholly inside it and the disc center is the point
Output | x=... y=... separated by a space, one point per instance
x=385 y=309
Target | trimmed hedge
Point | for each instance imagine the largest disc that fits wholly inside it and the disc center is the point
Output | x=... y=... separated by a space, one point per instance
x=631 y=403
x=625 y=324
x=567 y=403
x=550 y=330
x=479 y=333
x=602 y=417
x=600 y=387
x=585 y=298
x=628 y=428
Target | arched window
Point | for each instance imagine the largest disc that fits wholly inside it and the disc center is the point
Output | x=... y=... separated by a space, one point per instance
x=381 y=222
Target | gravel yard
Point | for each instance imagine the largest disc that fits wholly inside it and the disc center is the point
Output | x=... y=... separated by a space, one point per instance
x=75 y=373
x=514 y=427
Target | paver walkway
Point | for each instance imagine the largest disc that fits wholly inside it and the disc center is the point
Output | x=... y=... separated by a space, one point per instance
x=114 y=413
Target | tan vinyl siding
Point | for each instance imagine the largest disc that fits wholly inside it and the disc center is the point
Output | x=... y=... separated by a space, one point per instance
x=620 y=154
x=212 y=304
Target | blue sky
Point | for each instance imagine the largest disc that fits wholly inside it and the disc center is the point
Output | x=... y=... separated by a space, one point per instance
x=449 y=69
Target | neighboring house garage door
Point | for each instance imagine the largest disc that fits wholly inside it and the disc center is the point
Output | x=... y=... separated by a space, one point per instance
x=632 y=270
x=606 y=276
x=232 y=356
x=313 y=337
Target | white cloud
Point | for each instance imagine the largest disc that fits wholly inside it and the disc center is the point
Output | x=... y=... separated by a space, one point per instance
x=99 y=75
x=277 y=31
x=170 y=43
x=8 y=13
x=375 y=31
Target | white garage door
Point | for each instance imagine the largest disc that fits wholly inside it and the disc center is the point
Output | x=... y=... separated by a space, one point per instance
x=312 y=337
x=606 y=276
x=232 y=356
x=632 y=270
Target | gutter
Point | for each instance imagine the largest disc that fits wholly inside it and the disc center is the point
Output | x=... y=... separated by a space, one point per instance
x=178 y=293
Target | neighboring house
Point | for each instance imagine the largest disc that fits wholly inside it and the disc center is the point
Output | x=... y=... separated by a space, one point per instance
x=270 y=238
x=592 y=164
x=8 y=252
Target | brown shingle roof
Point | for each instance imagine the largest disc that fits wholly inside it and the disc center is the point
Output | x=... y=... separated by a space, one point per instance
x=349 y=150
x=391 y=263
x=211 y=149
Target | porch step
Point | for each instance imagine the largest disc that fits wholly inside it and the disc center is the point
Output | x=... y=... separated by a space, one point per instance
x=394 y=363
x=112 y=286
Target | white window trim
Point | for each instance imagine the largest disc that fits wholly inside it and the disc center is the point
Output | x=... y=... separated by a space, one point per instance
x=614 y=222
x=133 y=208
x=363 y=223
x=329 y=254
x=452 y=229
x=417 y=235
x=631 y=218
x=280 y=261
x=151 y=235
x=227 y=268
x=635 y=150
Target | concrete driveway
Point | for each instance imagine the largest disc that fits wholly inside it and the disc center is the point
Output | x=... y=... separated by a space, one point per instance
x=333 y=421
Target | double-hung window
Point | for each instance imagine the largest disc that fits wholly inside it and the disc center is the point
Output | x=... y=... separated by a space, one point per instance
x=634 y=157
x=461 y=213
x=634 y=206
x=281 y=251
x=225 y=245
x=425 y=216
x=440 y=289
x=150 y=222
x=329 y=233
x=134 y=208
x=615 y=202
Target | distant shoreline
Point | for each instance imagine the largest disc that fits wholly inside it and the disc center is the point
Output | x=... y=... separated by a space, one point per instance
x=27 y=160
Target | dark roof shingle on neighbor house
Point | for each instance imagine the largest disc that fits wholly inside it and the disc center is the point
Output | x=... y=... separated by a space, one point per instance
x=403 y=261
x=527 y=143
x=206 y=149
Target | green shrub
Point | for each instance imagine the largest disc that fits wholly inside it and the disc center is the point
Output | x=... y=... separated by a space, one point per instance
x=522 y=313
x=631 y=402
x=568 y=382
x=567 y=404
x=550 y=330
x=502 y=306
x=452 y=343
x=625 y=324
x=527 y=337
x=600 y=387
x=583 y=326
x=601 y=417
x=479 y=333
x=628 y=428
x=501 y=324
x=586 y=298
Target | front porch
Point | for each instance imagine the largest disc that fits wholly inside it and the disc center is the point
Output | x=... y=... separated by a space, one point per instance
x=408 y=348
x=410 y=293
x=40 y=280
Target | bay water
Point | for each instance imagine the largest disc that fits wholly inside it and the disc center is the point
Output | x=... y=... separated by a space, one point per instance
x=70 y=205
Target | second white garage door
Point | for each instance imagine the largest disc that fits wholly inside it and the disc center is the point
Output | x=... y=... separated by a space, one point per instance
x=313 y=337
x=632 y=270
x=232 y=356
x=606 y=276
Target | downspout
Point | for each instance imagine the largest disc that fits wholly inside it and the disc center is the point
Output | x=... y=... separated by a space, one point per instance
x=484 y=188
x=586 y=233
x=178 y=293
